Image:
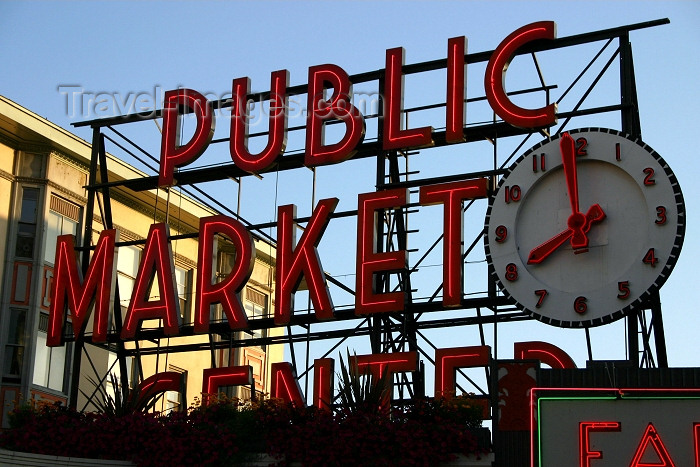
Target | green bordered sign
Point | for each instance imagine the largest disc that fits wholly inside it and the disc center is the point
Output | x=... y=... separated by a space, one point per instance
x=611 y=428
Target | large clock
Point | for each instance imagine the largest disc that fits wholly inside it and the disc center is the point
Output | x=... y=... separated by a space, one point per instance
x=584 y=227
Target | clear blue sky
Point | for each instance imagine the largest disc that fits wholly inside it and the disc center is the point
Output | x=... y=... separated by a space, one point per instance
x=123 y=48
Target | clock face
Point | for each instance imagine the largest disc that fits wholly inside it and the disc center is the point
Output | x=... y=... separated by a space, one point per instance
x=584 y=227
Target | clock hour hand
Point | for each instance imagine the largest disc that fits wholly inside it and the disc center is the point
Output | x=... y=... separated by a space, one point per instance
x=577 y=220
x=540 y=253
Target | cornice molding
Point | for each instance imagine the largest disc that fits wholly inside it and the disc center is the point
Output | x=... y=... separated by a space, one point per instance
x=127 y=235
x=73 y=162
x=23 y=145
x=7 y=175
x=147 y=211
x=75 y=197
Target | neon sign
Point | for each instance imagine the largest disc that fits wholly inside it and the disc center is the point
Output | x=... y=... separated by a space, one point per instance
x=339 y=108
x=293 y=263
x=616 y=427
x=296 y=260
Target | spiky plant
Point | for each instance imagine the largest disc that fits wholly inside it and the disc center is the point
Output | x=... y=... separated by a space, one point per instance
x=361 y=391
x=124 y=401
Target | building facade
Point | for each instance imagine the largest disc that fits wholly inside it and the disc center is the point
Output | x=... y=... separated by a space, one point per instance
x=43 y=172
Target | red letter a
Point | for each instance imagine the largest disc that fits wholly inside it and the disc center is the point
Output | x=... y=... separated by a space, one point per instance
x=157 y=262
x=651 y=436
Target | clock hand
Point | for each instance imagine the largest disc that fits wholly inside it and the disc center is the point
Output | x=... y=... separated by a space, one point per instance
x=540 y=253
x=576 y=220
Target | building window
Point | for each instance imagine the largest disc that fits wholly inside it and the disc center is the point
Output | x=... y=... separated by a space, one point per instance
x=26 y=226
x=127 y=269
x=183 y=278
x=50 y=363
x=255 y=308
x=14 y=349
x=226 y=262
x=63 y=219
x=174 y=401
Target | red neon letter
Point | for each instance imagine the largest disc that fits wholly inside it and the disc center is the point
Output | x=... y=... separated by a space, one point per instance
x=696 y=437
x=584 y=429
x=285 y=385
x=651 y=436
x=226 y=291
x=495 y=78
x=291 y=264
x=277 y=136
x=339 y=107
x=157 y=384
x=394 y=137
x=171 y=154
x=380 y=364
x=548 y=354
x=452 y=195
x=68 y=281
x=324 y=370
x=455 y=109
x=157 y=262
x=368 y=298
x=448 y=360
x=214 y=378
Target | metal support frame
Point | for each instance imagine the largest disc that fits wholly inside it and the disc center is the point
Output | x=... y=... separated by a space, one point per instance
x=637 y=322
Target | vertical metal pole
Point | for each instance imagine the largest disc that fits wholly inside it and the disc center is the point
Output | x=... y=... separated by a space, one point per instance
x=85 y=258
x=659 y=335
x=376 y=321
x=108 y=224
x=630 y=125
x=409 y=323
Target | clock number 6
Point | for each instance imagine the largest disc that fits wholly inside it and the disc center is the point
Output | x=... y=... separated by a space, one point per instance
x=580 y=305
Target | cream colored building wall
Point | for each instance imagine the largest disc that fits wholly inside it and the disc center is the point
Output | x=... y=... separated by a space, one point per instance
x=7 y=158
x=67 y=177
x=66 y=173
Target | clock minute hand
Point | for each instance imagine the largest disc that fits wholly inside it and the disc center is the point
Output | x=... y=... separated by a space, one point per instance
x=577 y=220
x=540 y=253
